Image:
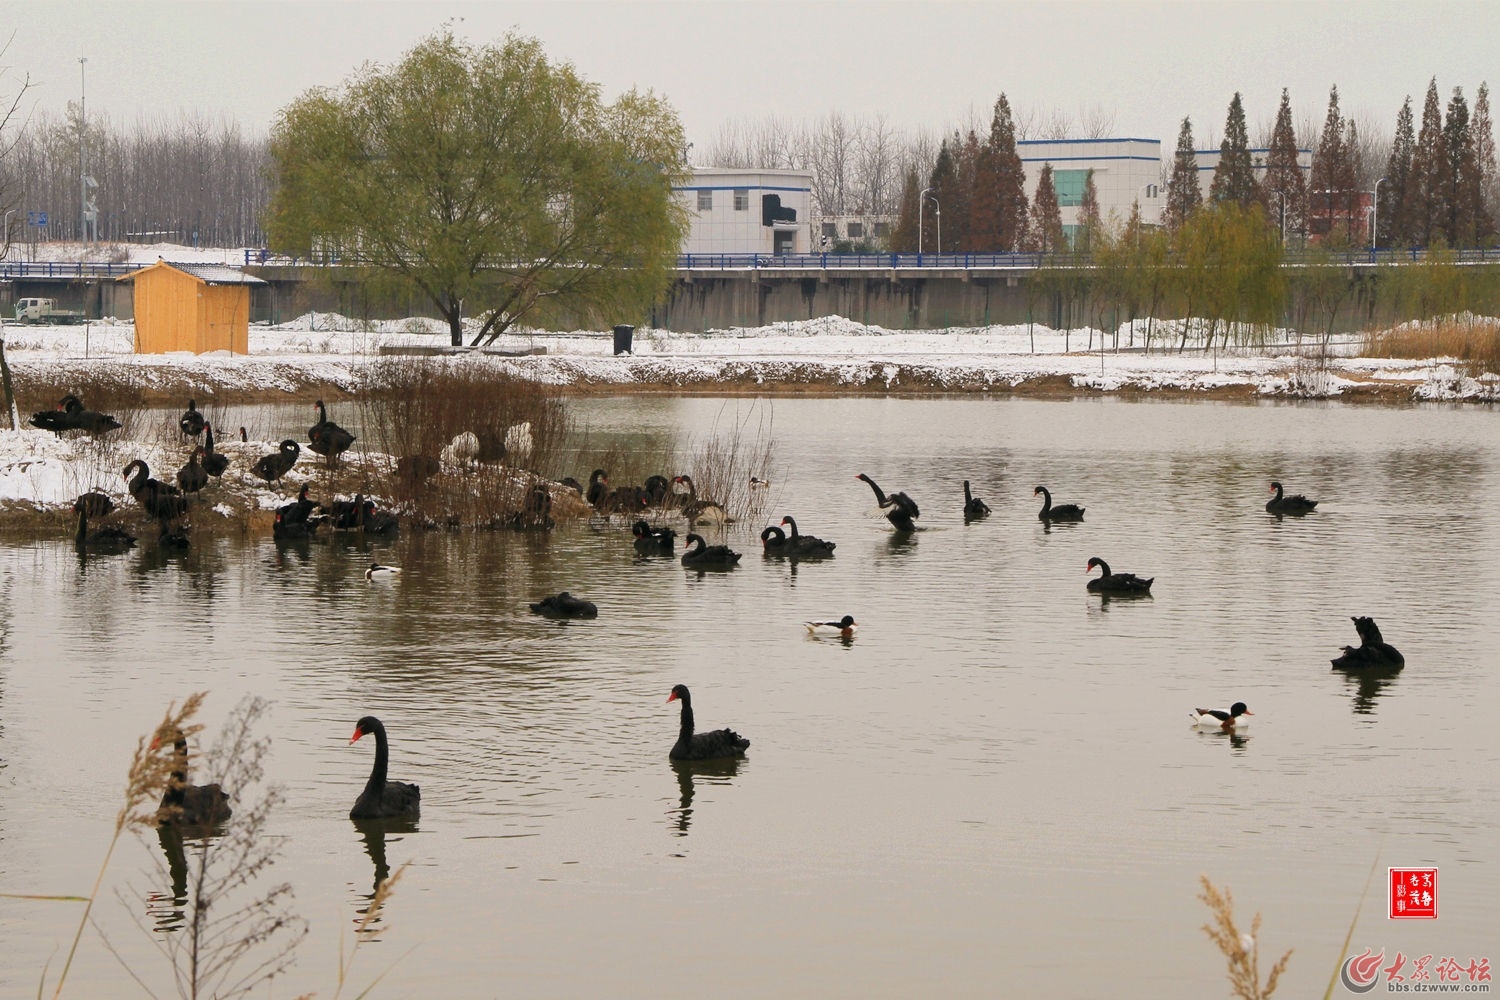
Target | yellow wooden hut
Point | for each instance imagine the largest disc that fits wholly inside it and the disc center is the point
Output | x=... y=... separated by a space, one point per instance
x=191 y=307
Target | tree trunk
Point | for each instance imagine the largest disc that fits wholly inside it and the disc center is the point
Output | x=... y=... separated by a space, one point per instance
x=10 y=395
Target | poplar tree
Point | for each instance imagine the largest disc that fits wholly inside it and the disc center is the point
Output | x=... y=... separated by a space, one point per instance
x=1046 y=231
x=1010 y=178
x=1184 y=196
x=1393 y=225
x=1284 y=189
x=1422 y=201
x=1234 y=177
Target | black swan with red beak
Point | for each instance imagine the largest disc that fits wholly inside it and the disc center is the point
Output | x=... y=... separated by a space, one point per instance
x=383 y=799
x=717 y=745
x=899 y=508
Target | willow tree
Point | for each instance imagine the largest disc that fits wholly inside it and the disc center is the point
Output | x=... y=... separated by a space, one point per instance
x=488 y=180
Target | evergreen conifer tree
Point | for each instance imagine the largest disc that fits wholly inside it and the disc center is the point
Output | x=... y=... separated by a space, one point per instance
x=1046 y=231
x=1332 y=199
x=1184 y=196
x=904 y=235
x=1468 y=222
x=944 y=180
x=1090 y=222
x=1284 y=188
x=1234 y=177
x=1394 y=227
x=1422 y=202
x=1483 y=128
x=1010 y=184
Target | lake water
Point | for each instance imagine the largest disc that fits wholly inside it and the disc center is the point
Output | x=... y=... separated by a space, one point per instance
x=993 y=790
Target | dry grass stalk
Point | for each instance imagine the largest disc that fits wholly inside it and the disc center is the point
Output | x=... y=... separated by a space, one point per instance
x=372 y=914
x=721 y=465
x=1475 y=339
x=1241 y=951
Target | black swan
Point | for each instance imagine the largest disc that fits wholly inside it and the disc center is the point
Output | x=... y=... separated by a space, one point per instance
x=214 y=463
x=806 y=546
x=326 y=437
x=536 y=510
x=845 y=626
x=598 y=480
x=1116 y=583
x=710 y=557
x=244 y=436
x=379 y=572
x=192 y=422
x=360 y=514
x=658 y=488
x=565 y=605
x=773 y=542
x=383 y=799
x=1062 y=512
x=105 y=539
x=974 y=508
x=899 y=508
x=651 y=541
x=1217 y=718
x=1294 y=504
x=1373 y=652
x=716 y=745
x=284 y=530
x=161 y=500
x=277 y=464
x=94 y=504
x=299 y=509
x=185 y=804
x=192 y=477
x=701 y=511
x=71 y=415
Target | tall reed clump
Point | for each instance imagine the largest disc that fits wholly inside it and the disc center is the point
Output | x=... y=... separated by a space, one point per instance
x=1240 y=951
x=414 y=407
x=738 y=446
x=1470 y=338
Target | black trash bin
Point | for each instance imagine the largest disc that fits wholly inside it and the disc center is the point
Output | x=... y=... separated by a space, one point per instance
x=623 y=337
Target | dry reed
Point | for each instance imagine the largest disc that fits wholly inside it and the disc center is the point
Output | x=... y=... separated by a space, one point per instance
x=1240 y=951
x=1474 y=339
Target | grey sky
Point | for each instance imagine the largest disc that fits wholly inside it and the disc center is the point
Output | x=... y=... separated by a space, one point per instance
x=919 y=63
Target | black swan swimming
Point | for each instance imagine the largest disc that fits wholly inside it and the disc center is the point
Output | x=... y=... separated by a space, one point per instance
x=383 y=799
x=277 y=464
x=773 y=541
x=716 y=745
x=192 y=477
x=360 y=514
x=651 y=541
x=1373 y=652
x=295 y=520
x=214 y=463
x=106 y=539
x=709 y=557
x=327 y=438
x=845 y=626
x=899 y=508
x=806 y=546
x=1117 y=583
x=974 y=508
x=565 y=605
x=1062 y=512
x=598 y=481
x=1294 y=504
x=192 y=422
x=1217 y=718
x=701 y=511
x=185 y=804
x=658 y=488
x=159 y=499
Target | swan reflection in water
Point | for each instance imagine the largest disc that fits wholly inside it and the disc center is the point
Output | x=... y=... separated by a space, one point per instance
x=712 y=772
x=373 y=833
x=168 y=913
x=1372 y=682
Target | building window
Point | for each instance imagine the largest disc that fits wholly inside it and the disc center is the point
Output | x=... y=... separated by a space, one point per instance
x=705 y=200
x=830 y=231
x=1069 y=186
x=856 y=230
x=742 y=199
x=882 y=230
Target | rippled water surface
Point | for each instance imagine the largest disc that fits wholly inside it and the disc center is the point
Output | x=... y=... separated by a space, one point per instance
x=992 y=791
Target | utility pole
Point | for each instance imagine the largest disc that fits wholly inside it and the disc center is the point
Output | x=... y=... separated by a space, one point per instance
x=88 y=212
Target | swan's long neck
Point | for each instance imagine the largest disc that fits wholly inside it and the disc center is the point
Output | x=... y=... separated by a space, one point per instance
x=83 y=525
x=322 y=412
x=968 y=496
x=1104 y=569
x=793 y=525
x=1278 y=491
x=208 y=439
x=138 y=481
x=1046 y=499
x=879 y=493
x=376 y=784
x=687 y=719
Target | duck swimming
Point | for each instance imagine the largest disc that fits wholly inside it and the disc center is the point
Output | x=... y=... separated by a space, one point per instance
x=1229 y=722
x=379 y=572
x=845 y=627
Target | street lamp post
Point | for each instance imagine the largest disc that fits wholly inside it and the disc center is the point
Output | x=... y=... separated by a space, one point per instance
x=1375 y=215
x=921 y=206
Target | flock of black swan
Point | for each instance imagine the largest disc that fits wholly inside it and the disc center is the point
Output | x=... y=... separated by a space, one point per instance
x=191 y=805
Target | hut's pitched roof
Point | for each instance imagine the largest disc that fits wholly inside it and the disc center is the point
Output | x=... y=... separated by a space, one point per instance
x=209 y=274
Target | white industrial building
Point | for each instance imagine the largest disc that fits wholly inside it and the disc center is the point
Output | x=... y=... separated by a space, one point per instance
x=1126 y=172
x=748 y=211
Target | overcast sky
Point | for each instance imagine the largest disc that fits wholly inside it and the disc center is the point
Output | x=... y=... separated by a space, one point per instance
x=918 y=62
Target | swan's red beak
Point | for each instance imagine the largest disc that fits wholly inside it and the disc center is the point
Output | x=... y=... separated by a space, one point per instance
x=672 y=696
x=358 y=732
